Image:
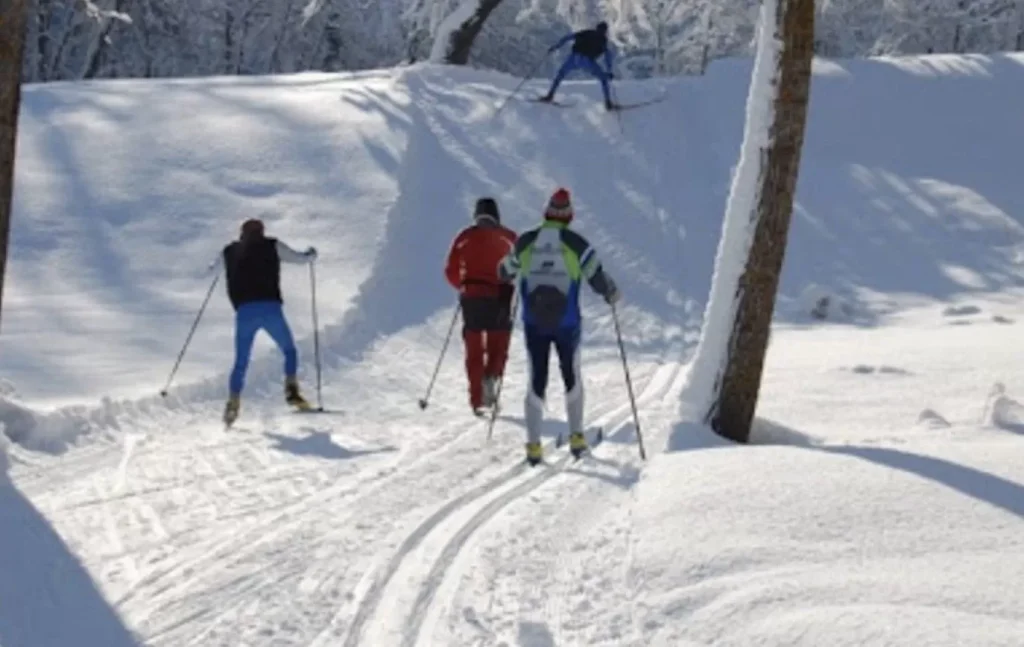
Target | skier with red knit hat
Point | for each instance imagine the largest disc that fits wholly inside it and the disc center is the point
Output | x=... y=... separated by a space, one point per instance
x=551 y=262
x=485 y=300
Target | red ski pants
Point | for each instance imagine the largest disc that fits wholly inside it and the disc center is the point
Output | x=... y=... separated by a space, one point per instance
x=486 y=333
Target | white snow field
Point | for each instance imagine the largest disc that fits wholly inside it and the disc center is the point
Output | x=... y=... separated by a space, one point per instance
x=881 y=503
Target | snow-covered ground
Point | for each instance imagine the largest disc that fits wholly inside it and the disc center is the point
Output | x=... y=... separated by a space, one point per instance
x=882 y=502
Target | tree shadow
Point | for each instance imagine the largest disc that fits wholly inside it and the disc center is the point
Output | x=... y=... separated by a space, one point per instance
x=320 y=444
x=46 y=595
x=969 y=481
x=973 y=482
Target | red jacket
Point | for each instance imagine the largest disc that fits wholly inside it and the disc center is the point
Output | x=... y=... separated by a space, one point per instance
x=473 y=259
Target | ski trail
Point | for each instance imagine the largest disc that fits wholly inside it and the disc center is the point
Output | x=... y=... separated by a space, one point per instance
x=458 y=519
x=443 y=594
x=613 y=422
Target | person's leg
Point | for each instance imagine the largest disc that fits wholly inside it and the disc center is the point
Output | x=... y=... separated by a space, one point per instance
x=473 y=325
x=499 y=336
x=276 y=325
x=571 y=63
x=247 y=324
x=538 y=349
x=591 y=66
x=567 y=345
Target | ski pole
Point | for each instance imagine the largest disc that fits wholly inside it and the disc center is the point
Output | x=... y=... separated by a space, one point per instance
x=501 y=378
x=316 y=336
x=444 y=349
x=629 y=382
x=521 y=83
x=188 y=339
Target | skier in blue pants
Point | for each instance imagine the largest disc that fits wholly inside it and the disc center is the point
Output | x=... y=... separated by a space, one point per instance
x=588 y=46
x=253 y=267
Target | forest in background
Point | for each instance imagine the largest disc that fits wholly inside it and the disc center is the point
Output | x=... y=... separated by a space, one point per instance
x=83 y=39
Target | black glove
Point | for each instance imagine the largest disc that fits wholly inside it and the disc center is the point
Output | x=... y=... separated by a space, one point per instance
x=613 y=296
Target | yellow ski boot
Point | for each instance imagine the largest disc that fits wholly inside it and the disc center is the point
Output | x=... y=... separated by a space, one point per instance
x=534 y=453
x=578 y=444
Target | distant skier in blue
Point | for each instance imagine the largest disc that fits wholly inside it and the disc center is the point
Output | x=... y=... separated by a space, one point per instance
x=588 y=46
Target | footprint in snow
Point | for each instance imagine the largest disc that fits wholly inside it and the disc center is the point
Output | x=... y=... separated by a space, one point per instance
x=864 y=369
x=961 y=311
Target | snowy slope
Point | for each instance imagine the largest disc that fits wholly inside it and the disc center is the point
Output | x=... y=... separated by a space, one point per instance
x=384 y=525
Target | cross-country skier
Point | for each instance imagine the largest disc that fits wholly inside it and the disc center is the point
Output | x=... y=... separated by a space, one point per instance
x=485 y=300
x=253 y=268
x=588 y=46
x=551 y=261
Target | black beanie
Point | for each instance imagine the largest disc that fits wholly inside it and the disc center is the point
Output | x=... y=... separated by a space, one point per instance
x=487 y=207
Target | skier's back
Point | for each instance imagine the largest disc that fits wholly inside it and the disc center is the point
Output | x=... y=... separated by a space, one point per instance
x=551 y=262
x=485 y=301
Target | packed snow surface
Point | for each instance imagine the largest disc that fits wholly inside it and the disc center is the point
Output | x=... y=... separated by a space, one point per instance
x=881 y=502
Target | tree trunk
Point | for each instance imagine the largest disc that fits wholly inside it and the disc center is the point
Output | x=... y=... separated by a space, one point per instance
x=454 y=43
x=734 y=404
x=12 y=45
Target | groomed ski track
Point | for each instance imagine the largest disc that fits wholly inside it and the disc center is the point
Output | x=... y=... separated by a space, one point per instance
x=257 y=535
x=446 y=533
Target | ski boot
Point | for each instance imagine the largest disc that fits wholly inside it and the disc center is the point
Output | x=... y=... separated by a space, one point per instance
x=231 y=410
x=578 y=444
x=293 y=397
x=534 y=454
x=609 y=105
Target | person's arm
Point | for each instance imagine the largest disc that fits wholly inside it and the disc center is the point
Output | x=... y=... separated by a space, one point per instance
x=590 y=266
x=289 y=255
x=453 y=266
x=511 y=265
x=565 y=39
x=609 y=57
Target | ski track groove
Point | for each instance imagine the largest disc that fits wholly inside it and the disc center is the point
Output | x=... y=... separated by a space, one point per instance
x=367 y=610
x=234 y=548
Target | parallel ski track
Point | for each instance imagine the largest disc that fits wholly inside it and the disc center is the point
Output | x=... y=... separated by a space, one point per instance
x=620 y=415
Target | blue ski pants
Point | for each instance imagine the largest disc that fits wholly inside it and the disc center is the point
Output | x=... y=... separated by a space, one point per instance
x=249 y=320
x=538 y=348
x=580 y=62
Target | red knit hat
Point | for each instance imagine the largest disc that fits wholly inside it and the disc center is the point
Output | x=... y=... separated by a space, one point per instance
x=559 y=206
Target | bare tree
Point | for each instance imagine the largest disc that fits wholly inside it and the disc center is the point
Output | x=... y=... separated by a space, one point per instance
x=12 y=47
x=734 y=399
x=454 y=45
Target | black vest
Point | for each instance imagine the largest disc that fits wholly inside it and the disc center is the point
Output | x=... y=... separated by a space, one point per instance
x=590 y=43
x=253 y=271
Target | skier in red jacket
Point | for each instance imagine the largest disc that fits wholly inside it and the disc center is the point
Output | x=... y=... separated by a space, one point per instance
x=486 y=300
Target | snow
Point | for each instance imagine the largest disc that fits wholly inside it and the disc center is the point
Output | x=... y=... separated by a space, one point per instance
x=880 y=502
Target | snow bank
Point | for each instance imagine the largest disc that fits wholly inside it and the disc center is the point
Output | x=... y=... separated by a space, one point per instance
x=836 y=546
